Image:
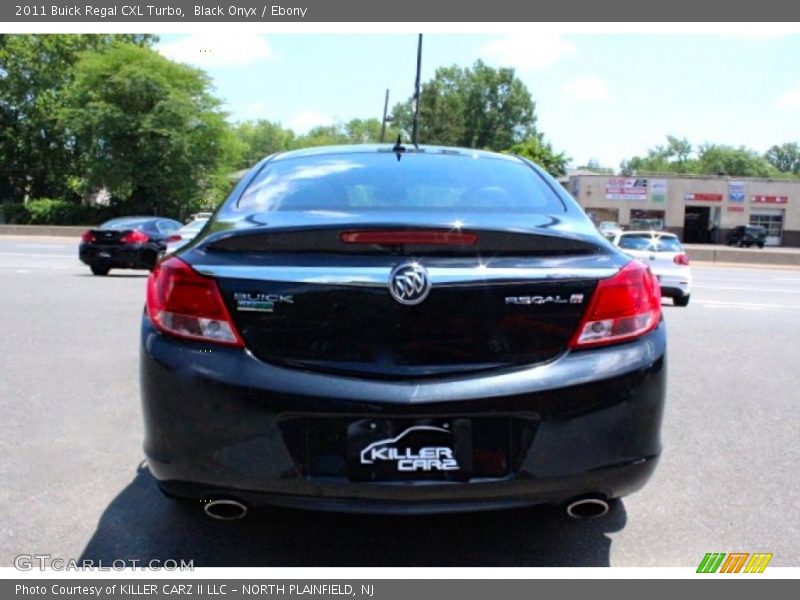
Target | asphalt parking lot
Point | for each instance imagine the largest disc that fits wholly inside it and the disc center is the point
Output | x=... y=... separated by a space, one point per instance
x=74 y=483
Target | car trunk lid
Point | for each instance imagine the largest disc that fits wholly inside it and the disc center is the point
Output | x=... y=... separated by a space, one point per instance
x=308 y=298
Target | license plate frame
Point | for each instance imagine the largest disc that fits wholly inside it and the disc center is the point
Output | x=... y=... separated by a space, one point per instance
x=393 y=450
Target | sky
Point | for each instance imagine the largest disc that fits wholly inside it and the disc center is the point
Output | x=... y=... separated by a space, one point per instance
x=602 y=97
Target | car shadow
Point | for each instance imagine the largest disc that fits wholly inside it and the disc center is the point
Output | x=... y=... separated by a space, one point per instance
x=140 y=524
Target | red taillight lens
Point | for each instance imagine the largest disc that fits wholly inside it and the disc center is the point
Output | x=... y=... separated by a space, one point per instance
x=623 y=307
x=134 y=237
x=681 y=259
x=88 y=236
x=174 y=238
x=182 y=302
x=433 y=237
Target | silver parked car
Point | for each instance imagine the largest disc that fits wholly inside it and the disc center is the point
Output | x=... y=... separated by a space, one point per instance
x=185 y=234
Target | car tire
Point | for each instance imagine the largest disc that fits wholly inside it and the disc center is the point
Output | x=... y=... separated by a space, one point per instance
x=99 y=270
x=682 y=300
x=761 y=246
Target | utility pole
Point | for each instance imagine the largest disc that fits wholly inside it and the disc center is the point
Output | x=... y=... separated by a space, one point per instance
x=385 y=117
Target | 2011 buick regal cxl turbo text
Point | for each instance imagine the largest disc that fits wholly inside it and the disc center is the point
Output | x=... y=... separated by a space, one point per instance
x=390 y=329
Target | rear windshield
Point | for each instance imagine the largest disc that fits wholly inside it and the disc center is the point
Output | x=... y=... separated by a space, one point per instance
x=647 y=242
x=417 y=182
x=635 y=242
x=668 y=244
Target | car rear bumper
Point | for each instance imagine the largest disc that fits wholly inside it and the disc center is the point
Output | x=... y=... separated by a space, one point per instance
x=675 y=286
x=221 y=423
x=122 y=256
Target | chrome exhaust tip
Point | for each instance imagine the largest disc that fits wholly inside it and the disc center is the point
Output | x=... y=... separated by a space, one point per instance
x=225 y=510
x=587 y=508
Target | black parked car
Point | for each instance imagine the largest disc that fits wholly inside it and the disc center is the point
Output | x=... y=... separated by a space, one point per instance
x=126 y=243
x=748 y=235
x=399 y=330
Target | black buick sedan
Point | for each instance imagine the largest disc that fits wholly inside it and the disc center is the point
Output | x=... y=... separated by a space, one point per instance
x=126 y=243
x=389 y=329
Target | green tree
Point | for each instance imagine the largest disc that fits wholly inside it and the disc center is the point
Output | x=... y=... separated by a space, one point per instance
x=149 y=130
x=322 y=135
x=785 y=157
x=715 y=159
x=594 y=165
x=542 y=153
x=368 y=131
x=661 y=159
x=678 y=156
x=678 y=148
x=37 y=157
x=219 y=181
x=653 y=162
x=259 y=139
x=478 y=107
x=355 y=131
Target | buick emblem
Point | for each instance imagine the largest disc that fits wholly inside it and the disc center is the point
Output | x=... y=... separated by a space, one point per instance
x=409 y=283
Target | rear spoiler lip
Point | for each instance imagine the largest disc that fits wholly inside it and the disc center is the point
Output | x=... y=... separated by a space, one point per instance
x=592 y=243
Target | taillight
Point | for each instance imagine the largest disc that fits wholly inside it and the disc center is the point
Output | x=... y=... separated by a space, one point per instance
x=134 y=237
x=622 y=308
x=184 y=303
x=433 y=237
x=88 y=236
x=681 y=259
x=174 y=238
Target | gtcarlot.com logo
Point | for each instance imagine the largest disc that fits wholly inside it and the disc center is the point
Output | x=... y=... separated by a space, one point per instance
x=42 y=562
x=735 y=562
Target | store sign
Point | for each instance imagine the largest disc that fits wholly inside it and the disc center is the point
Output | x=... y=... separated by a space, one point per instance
x=736 y=209
x=619 y=188
x=771 y=199
x=658 y=190
x=703 y=197
x=736 y=191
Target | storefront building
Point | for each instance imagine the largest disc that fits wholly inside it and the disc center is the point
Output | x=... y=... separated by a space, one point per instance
x=698 y=209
